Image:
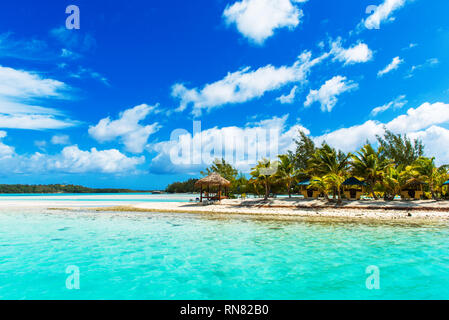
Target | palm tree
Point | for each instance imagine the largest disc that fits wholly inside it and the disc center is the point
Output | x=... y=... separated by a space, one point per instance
x=264 y=173
x=330 y=164
x=425 y=170
x=321 y=185
x=335 y=180
x=286 y=172
x=392 y=183
x=370 y=165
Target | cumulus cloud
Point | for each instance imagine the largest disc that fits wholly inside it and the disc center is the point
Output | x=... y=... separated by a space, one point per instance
x=74 y=160
x=244 y=85
x=70 y=160
x=421 y=122
x=189 y=152
x=433 y=138
x=422 y=117
x=327 y=94
x=289 y=98
x=392 y=66
x=358 y=53
x=383 y=13
x=6 y=151
x=127 y=128
x=258 y=19
x=243 y=146
x=19 y=91
x=397 y=103
x=349 y=139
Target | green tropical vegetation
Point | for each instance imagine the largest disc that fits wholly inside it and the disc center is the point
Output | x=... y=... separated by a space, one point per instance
x=182 y=187
x=393 y=164
x=56 y=188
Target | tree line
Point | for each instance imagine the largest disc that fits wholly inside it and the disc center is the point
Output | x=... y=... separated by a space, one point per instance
x=56 y=188
x=394 y=164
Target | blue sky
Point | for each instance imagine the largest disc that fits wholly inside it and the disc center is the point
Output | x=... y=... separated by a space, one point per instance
x=98 y=105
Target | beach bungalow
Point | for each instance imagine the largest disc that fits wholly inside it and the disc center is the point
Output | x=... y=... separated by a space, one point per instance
x=353 y=188
x=212 y=187
x=413 y=190
x=306 y=191
x=446 y=183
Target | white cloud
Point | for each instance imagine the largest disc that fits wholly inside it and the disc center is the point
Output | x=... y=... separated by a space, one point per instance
x=240 y=146
x=6 y=151
x=422 y=117
x=289 y=98
x=34 y=122
x=244 y=85
x=258 y=19
x=349 y=139
x=397 y=103
x=18 y=91
x=74 y=160
x=358 y=53
x=433 y=139
x=383 y=13
x=327 y=94
x=421 y=122
x=392 y=66
x=127 y=128
x=60 y=139
x=417 y=123
x=22 y=84
x=70 y=160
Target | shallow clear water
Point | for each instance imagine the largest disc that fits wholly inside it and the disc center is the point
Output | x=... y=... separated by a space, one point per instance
x=185 y=256
x=99 y=197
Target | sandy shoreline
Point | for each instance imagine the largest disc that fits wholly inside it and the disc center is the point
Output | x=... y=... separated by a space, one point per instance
x=281 y=208
x=286 y=208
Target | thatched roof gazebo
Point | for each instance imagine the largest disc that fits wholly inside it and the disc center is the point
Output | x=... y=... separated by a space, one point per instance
x=413 y=189
x=353 y=188
x=212 y=180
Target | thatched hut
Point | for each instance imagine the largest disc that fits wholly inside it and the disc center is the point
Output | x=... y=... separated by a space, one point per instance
x=413 y=190
x=353 y=188
x=307 y=191
x=217 y=183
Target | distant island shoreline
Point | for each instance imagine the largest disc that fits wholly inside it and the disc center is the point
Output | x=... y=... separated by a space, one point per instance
x=63 y=188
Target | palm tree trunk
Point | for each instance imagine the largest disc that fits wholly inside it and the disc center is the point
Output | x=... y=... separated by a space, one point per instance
x=289 y=189
x=374 y=194
x=340 y=200
x=371 y=186
x=266 y=191
x=432 y=191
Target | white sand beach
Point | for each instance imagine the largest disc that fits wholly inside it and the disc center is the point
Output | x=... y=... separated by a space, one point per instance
x=280 y=208
x=296 y=207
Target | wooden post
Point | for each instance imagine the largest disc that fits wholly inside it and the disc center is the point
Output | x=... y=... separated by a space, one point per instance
x=208 y=193
x=201 y=193
x=219 y=192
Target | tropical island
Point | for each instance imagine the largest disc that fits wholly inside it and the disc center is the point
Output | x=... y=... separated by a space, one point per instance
x=397 y=168
x=57 y=188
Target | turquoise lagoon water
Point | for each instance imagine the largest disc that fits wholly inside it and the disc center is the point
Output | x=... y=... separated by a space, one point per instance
x=185 y=256
x=99 y=197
